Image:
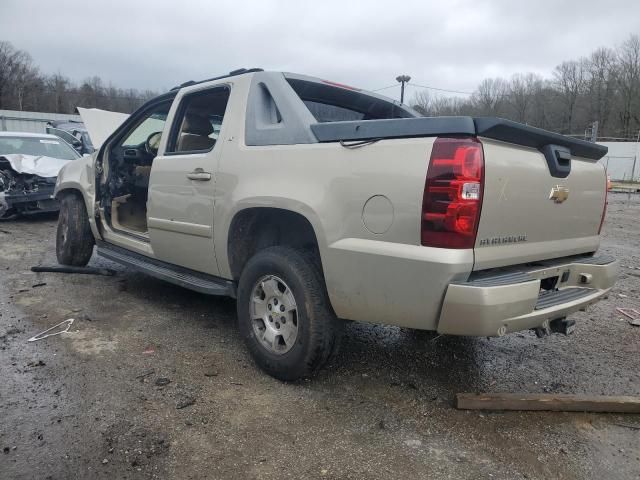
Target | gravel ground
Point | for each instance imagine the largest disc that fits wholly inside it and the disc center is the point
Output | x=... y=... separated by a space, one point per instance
x=154 y=382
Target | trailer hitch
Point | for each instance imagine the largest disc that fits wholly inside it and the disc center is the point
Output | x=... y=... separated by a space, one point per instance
x=559 y=325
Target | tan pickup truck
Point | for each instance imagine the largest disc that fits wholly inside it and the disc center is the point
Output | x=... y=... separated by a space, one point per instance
x=311 y=201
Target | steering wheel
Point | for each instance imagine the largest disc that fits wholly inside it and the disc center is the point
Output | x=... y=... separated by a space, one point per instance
x=152 y=143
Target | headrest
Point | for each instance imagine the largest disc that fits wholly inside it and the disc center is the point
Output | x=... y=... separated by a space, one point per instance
x=197 y=125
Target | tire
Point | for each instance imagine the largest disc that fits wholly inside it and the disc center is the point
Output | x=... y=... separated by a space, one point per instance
x=298 y=279
x=74 y=240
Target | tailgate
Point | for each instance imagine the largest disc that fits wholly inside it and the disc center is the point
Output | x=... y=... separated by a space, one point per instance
x=529 y=214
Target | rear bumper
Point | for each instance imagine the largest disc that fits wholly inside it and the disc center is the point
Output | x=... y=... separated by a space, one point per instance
x=512 y=300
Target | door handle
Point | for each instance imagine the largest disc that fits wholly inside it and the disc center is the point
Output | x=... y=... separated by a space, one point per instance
x=199 y=174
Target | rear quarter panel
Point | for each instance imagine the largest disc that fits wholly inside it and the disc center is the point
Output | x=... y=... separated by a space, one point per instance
x=380 y=277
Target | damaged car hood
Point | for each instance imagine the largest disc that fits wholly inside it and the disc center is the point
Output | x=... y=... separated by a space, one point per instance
x=46 y=167
x=100 y=123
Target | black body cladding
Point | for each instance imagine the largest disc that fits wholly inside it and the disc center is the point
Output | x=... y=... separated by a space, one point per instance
x=490 y=127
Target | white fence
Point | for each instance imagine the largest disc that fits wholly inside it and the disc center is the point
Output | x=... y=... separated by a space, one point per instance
x=621 y=160
x=17 y=121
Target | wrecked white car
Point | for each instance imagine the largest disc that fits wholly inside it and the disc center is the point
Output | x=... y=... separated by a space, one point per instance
x=29 y=165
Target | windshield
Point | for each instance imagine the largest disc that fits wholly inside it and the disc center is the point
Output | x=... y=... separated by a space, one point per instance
x=37 y=146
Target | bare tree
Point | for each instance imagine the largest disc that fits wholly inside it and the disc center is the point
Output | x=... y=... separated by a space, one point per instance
x=569 y=80
x=490 y=96
x=522 y=90
x=24 y=78
x=23 y=87
x=422 y=102
x=604 y=87
x=10 y=61
x=601 y=86
x=629 y=85
x=58 y=86
x=434 y=105
x=543 y=110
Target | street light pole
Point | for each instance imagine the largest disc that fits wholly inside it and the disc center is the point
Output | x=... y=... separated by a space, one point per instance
x=402 y=79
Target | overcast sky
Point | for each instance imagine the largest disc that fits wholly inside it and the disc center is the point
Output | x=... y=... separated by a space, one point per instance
x=157 y=44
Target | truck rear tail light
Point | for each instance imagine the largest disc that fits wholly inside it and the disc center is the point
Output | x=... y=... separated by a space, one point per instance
x=606 y=200
x=453 y=193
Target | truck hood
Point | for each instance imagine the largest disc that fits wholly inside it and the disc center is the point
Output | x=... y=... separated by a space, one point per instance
x=100 y=123
x=42 y=166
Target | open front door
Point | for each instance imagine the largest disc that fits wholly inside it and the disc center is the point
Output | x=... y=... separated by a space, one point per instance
x=182 y=183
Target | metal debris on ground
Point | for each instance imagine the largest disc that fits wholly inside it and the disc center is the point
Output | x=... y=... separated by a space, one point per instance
x=46 y=334
x=632 y=314
x=82 y=270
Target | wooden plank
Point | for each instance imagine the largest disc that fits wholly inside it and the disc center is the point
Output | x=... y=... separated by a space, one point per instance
x=551 y=402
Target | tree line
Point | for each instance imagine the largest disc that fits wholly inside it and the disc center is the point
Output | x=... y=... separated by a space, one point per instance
x=24 y=87
x=603 y=87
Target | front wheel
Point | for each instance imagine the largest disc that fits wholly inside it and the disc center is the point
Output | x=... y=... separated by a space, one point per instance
x=284 y=313
x=74 y=240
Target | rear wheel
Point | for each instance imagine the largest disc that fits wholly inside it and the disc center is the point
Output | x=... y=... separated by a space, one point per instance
x=74 y=240
x=284 y=313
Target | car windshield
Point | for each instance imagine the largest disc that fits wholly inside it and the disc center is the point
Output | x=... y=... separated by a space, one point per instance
x=37 y=146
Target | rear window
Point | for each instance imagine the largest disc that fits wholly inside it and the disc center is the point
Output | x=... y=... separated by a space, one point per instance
x=330 y=103
x=324 y=112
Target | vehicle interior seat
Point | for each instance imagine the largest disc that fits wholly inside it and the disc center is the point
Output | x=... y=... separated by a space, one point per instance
x=195 y=134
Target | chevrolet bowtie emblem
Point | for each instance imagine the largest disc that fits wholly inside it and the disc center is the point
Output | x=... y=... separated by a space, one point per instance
x=559 y=194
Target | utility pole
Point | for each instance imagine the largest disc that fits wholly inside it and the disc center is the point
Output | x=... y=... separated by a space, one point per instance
x=402 y=79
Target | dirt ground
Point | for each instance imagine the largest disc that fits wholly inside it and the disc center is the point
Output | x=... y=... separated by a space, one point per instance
x=154 y=382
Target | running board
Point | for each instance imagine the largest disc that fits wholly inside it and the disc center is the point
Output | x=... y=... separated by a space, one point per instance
x=184 y=277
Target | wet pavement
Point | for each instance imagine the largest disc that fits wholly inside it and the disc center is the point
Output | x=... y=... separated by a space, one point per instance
x=154 y=382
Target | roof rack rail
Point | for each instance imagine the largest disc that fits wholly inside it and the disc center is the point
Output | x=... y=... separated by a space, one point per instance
x=232 y=73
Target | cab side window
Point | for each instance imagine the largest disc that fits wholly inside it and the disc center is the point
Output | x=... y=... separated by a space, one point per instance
x=198 y=121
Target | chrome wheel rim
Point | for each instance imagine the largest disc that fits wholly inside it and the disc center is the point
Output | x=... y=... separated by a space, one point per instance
x=274 y=314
